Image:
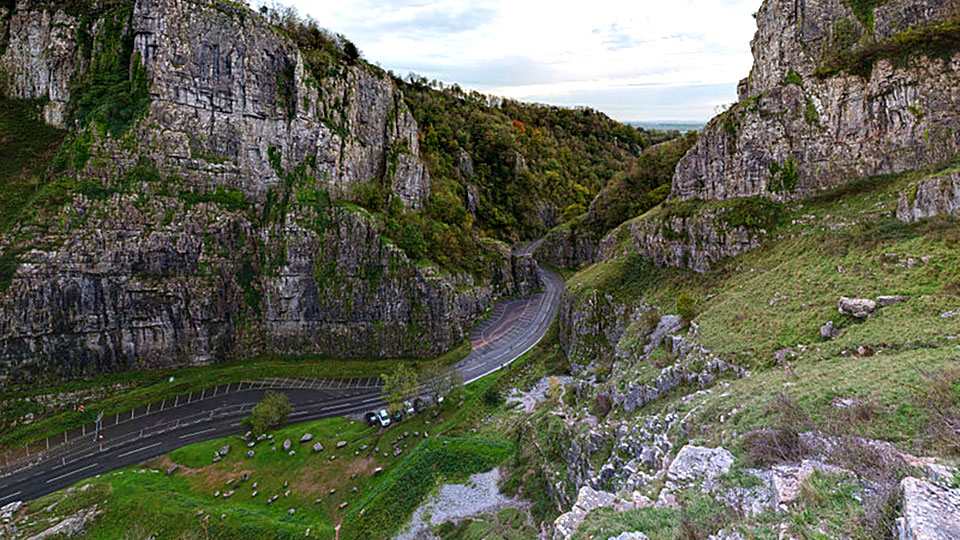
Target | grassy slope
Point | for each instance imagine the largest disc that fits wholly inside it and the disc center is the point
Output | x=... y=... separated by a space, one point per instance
x=464 y=438
x=845 y=243
x=138 y=388
x=28 y=144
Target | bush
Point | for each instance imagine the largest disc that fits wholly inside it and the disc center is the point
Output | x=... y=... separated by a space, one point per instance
x=780 y=443
x=687 y=307
x=272 y=411
x=492 y=397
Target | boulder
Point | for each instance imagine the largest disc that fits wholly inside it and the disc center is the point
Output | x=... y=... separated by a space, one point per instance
x=71 y=526
x=287 y=444
x=694 y=464
x=629 y=536
x=317 y=448
x=588 y=500
x=341 y=444
x=307 y=437
x=858 y=308
x=8 y=511
x=930 y=512
x=828 y=331
x=224 y=450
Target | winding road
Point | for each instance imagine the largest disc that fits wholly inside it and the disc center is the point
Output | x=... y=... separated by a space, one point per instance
x=514 y=327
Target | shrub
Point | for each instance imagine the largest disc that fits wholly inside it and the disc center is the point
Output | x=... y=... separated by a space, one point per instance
x=942 y=403
x=270 y=412
x=492 y=397
x=603 y=405
x=780 y=443
x=793 y=78
x=687 y=307
x=784 y=178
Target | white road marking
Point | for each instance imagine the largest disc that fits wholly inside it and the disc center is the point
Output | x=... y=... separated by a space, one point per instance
x=62 y=476
x=125 y=454
x=187 y=436
x=10 y=496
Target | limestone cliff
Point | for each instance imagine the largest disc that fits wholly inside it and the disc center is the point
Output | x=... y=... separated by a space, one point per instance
x=839 y=90
x=197 y=211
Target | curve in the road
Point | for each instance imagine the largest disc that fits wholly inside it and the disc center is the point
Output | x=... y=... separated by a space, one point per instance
x=516 y=327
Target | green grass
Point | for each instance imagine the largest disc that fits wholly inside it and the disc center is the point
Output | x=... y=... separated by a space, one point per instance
x=934 y=40
x=28 y=144
x=842 y=243
x=656 y=523
x=465 y=436
x=507 y=524
x=139 y=388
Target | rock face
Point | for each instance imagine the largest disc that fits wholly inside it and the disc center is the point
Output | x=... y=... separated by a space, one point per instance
x=937 y=196
x=40 y=57
x=213 y=229
x=803 y=124
x=226 y=85
x=696 y=241
x=930 y=512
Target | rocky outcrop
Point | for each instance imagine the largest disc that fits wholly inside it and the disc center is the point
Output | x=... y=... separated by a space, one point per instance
x=937 y=196
x=40 y=57
x=930 y=512
x=812 y=115
x=212 y=228
x=588 y=500
x=227 y=86
x=696 y=241
x=569 y=246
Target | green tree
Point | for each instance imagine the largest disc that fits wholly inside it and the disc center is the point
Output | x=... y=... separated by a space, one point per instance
x=440 y=381
x=272 y=411
x=399 y=385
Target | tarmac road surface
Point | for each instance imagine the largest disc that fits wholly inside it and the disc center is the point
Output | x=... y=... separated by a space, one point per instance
x=514 y=327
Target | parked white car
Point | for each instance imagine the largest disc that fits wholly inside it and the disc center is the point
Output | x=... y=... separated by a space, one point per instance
x=384 y=417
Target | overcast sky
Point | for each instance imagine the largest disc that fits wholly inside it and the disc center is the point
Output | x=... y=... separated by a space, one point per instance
x=639 y=60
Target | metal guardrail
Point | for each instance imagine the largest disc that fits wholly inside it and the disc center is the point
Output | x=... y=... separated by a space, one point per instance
x=16 y=460
x=92 y=443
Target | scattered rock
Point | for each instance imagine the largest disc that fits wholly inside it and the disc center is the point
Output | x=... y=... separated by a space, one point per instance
x=317 y=448
x=341 y=444
x=8 y=511
x=950 y=314
x=287 y=444
x=828 y=331
x=307 y=437
x=71 y=526
x=250 y=453
x=858 y=308
x=886 y=301
x=171 y=470
x=224 y=450
x=630 y=536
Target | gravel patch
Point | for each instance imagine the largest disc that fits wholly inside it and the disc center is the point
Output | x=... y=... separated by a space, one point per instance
x=537 y=394
x=454 y=502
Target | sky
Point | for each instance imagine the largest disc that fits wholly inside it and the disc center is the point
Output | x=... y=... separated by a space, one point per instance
x=640 y=60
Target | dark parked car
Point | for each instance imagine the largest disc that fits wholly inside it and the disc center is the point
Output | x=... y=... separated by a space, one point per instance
x=419 y=405
x=372 y=418
x=398 y=416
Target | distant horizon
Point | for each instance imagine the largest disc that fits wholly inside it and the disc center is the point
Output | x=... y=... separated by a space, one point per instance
x=630 y=61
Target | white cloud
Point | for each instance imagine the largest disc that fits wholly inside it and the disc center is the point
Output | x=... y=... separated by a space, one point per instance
x=673 y=60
